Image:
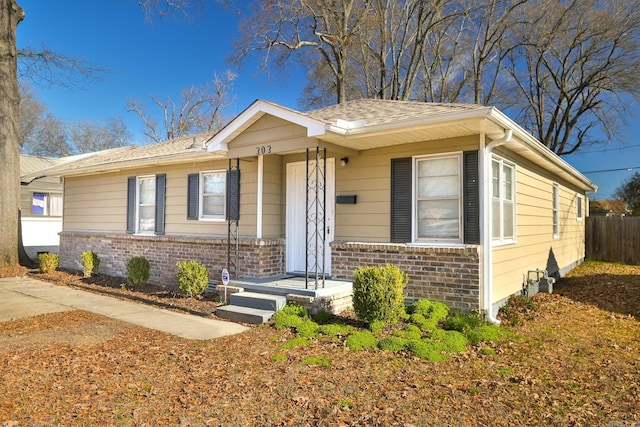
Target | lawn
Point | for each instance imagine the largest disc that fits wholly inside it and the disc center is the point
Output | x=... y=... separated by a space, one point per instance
x=573 y=361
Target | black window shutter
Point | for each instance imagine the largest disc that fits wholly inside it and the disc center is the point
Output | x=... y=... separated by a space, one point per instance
x=233 y=195
x=131 y=204
x=471 y=198
x=161 y=191
x=401 y=176
x=193 y=182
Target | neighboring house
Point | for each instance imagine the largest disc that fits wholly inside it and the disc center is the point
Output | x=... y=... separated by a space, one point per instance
x=608 y=208
x=40 y=207
x=463 y=199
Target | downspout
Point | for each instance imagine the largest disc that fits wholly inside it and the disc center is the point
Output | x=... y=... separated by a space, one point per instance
x=487 y=259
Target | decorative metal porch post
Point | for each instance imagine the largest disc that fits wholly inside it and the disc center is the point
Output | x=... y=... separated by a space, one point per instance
x=233 y=217
x=316 y=229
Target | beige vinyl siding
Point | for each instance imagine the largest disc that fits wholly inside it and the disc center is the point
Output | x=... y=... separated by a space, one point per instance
x=99 y=202
x=368 y=176
x=535 y=247
x=273 y=197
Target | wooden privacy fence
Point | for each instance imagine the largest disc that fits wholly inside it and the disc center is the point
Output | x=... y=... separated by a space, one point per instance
x=613 y=239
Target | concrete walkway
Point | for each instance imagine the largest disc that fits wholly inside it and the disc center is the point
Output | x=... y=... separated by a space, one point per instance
x=24 y=297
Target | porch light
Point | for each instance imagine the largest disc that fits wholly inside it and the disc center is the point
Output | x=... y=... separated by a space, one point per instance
x=344 y=161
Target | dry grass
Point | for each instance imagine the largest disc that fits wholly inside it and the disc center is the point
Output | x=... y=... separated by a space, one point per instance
x=574 y=362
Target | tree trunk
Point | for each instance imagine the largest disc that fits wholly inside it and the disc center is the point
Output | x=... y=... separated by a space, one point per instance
x=10 y=16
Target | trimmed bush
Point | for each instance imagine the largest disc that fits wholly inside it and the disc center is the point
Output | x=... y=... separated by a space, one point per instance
x=377 y=293
x=295 y=309
x=138 y=270
x=283 y=320
x=49 y=262
x=296 y=342
x=316 y=361
x=307 y=328
x=361 y=340
x=410 y=332
x=377 y=326
x=455 y=341
x=90 y=263
x=192 y=278
x=427 y=314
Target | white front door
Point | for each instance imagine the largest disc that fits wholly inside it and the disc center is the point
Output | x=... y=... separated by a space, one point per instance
x=297 y=217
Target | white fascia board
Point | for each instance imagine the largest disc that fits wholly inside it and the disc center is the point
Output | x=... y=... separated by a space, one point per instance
x=254 y=112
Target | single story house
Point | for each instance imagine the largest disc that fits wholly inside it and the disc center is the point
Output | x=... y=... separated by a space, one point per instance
x=40 y=207
x=459 y=196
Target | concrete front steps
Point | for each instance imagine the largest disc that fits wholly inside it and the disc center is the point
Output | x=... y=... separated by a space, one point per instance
x=251 y=307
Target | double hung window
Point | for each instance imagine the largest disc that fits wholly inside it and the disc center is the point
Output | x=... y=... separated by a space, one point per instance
x=502 y=200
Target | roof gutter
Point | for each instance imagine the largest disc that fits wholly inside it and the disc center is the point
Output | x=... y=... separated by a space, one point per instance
x=487 y=250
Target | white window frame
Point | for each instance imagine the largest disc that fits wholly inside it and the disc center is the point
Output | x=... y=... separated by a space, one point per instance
x=579 y=207
x=138 y=204
x=201 y=196
x=502 y=199
x=555 y=200
x=414 y=216
x=46 y=210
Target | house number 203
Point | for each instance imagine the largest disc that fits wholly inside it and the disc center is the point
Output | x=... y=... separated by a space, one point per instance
x=263 y=149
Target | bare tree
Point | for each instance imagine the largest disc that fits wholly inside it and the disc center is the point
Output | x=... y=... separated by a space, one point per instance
x=577 y=65
x=88 y=136
x=199 y=110
x=10 y=16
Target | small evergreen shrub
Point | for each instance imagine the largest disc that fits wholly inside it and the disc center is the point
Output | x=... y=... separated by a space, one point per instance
x=410 y=332
x=393 y=344
x=361 y=340
x=322 y=317
x=335 y=329
x=377 y=326
x=192 y=278
x=296 y=342
x=279 y=357
x=432 y=350
x=487 y=333
x=432 y=311
x=295 y=309
x=463 y=322
x=455 y=341
x=284 y=320
x=377 y=293
x=90 y=263
x=138 y=270
x=49 y=262
x=308 y=328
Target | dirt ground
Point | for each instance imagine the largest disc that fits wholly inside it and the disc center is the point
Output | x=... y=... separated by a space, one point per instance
x=573 y=361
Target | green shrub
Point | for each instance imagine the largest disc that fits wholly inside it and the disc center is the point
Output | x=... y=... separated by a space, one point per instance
x=283 y=320
x=49 y=262
x=377 y=293
x=361 y=340
x=487 y=333
x=316 y=361
x=432 y=313
x=463 y=322
x=487 y=351
x=335 y=329
x=377 y=326
x=192 y=278
x=307 y=328
x=296 y=342
x=410 y=332
x=90 y=263
x=393 y=344
x=432 y=350
x=138 y=270
x=279 y=357
x=295 y=309
x=455 y=341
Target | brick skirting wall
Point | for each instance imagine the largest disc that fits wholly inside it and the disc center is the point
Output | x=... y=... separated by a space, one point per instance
x=257 y=258
x=447 y=274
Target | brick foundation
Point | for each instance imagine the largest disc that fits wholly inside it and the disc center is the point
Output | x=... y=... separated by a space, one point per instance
x=447 y=274
x=257 y=258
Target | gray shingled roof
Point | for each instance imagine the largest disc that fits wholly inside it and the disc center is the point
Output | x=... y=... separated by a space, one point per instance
x=381 y=111
x=178 y=148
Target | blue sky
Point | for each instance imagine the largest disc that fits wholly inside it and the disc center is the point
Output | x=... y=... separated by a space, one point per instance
x=164 y=56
